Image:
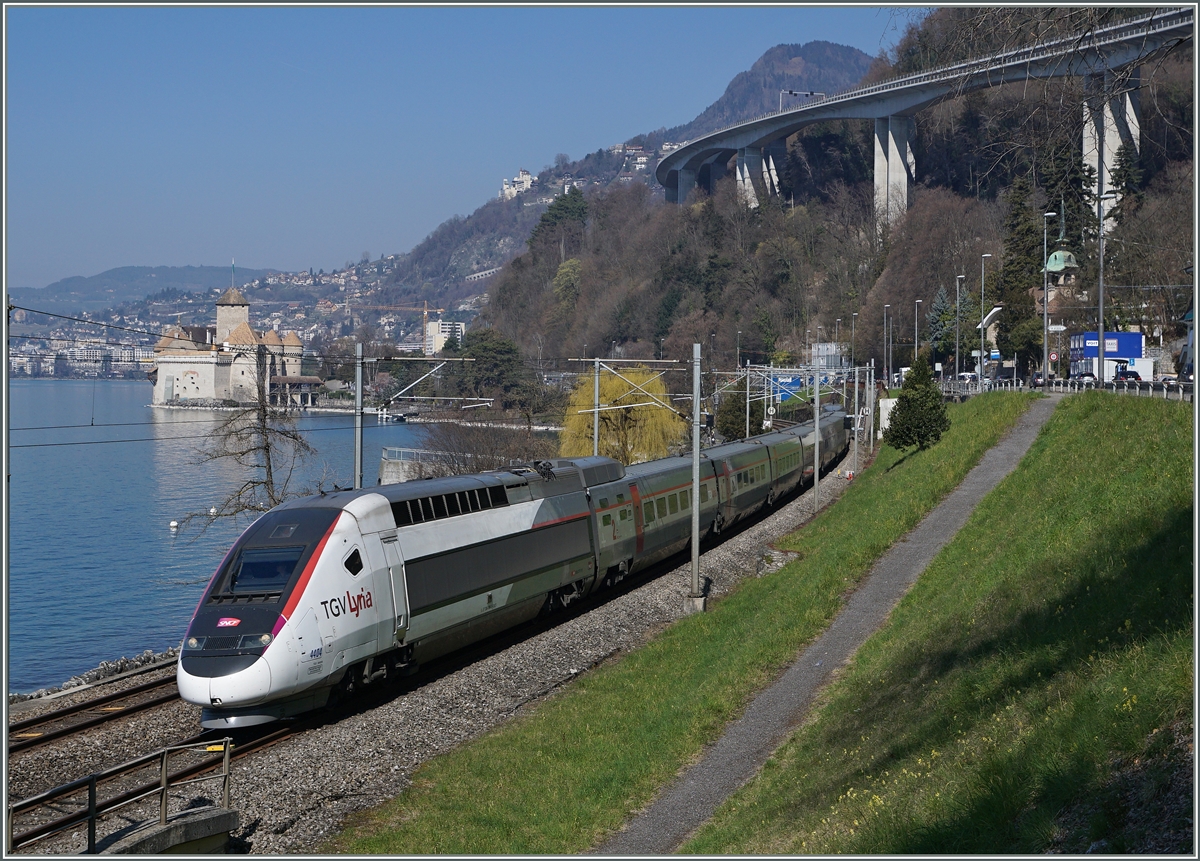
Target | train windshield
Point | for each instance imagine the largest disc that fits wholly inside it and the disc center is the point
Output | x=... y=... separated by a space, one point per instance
x=264 y=569
x=271 y=554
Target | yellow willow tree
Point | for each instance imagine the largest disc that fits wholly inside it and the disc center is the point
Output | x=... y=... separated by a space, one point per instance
x=631 y=435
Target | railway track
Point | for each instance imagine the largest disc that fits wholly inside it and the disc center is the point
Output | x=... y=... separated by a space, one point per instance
x=79 y=717
x=77 y=806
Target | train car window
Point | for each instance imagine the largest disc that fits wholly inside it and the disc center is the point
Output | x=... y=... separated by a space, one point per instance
x=264 y=569
x=648 y=511
x=604 y=502
x=354 y=562
x=284 y=530
x=497 y=496
x=673 y=503
x=439 y=506
x=400 y=513
x=685 y=499
x=620 y=499
x=452 y=507
x=624 y=514
x=703 y=493
x=662 y=507
x=608 y=520
x=485 y=499
x=427 y=508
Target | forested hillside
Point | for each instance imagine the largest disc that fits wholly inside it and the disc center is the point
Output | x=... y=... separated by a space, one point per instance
x=620 y=272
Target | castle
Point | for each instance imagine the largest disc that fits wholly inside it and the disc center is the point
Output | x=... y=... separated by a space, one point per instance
x=219 y=364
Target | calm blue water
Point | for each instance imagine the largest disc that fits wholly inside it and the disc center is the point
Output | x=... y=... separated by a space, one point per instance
x=95 y=571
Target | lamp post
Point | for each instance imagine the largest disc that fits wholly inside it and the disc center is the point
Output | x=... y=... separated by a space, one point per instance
x=1100 y=329
x=837 y=338
x=982 y=366
x=916 y=318
x=853 y=319
x=1045 y=305
x=739 y=349
x=958 y=280
x=660 y=347
x=887 y=365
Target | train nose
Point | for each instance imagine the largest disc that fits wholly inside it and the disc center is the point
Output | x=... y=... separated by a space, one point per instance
x=244 y=687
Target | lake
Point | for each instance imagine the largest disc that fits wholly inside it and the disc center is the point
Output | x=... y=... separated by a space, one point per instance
x=95 y=572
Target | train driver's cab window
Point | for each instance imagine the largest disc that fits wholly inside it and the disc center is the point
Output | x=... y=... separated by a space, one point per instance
x=264 y=569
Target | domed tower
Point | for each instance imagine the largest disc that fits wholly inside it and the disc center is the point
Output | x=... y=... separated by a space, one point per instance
x=1061 y=267
x=233 y=309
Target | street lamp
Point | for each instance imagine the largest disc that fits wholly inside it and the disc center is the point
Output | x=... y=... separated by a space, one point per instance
x=660 y=347
x=837 y=334
x=982 y=367
x=958 y=280
x=739 y=349
x=887 y=365
x=1045 y=305
x=1100 y=206
x=916 y=318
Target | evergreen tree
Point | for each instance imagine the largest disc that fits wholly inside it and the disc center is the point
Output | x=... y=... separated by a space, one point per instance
x=1022 y=271
x=919 y=417
x=940 y=320
x=1068 y=184
x=731 y=414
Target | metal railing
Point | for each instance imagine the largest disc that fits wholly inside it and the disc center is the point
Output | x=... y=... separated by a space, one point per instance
x=1165 y=391
x=95 y=809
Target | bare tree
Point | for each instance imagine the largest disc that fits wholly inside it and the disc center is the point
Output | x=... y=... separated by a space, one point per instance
x=263 y=441
x=462 y=447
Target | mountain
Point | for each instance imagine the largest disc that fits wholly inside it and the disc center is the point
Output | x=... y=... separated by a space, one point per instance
x=821 y=67
x=435 y=269
x=127 y=284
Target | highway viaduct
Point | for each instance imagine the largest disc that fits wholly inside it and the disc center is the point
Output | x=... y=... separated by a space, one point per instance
x=1111 y=114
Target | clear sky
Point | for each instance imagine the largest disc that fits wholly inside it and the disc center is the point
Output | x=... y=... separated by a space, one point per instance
x=301 y=137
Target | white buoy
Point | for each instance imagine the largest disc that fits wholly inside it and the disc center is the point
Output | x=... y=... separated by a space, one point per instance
x=212 y=512
x=174 y=524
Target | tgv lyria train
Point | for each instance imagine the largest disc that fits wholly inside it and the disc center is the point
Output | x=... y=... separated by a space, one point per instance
x=330 y=592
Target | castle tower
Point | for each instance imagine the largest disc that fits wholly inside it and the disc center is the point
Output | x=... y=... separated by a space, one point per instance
x=233 y=309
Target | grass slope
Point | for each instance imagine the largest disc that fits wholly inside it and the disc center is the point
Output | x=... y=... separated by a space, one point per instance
x=1049 y=642
x=559 y=779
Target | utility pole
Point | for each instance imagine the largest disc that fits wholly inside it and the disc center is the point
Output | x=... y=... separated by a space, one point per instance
x=696 y=597
x=817 y=432
x=596 y=414
x=358 y=416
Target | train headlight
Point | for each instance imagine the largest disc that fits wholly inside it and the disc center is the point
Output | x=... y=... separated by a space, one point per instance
x=255 y=641
x=194 y=644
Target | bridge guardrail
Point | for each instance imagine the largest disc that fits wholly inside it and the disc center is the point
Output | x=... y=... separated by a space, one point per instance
x=1069 y=44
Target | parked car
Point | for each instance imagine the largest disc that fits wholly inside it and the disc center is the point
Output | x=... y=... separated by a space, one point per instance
x=1086 y=377
x=1169 y=381
x=1037 y=380
x=1128 y=374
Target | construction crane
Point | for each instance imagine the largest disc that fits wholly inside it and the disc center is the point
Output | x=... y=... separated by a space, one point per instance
x=424 y=308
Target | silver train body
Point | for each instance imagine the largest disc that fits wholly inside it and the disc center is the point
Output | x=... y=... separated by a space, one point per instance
x=331 y=592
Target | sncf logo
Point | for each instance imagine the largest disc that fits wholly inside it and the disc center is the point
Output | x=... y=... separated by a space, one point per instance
x=228 y=622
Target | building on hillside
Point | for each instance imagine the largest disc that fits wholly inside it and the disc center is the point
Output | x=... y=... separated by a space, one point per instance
x=438 y=332
x=522 y=182
x=220 y=363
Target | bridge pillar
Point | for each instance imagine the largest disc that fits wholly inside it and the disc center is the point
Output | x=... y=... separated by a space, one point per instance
x=1111 y=117
x=687 y=181
x=774 y=160
x=894 y=167
x=749 y=166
